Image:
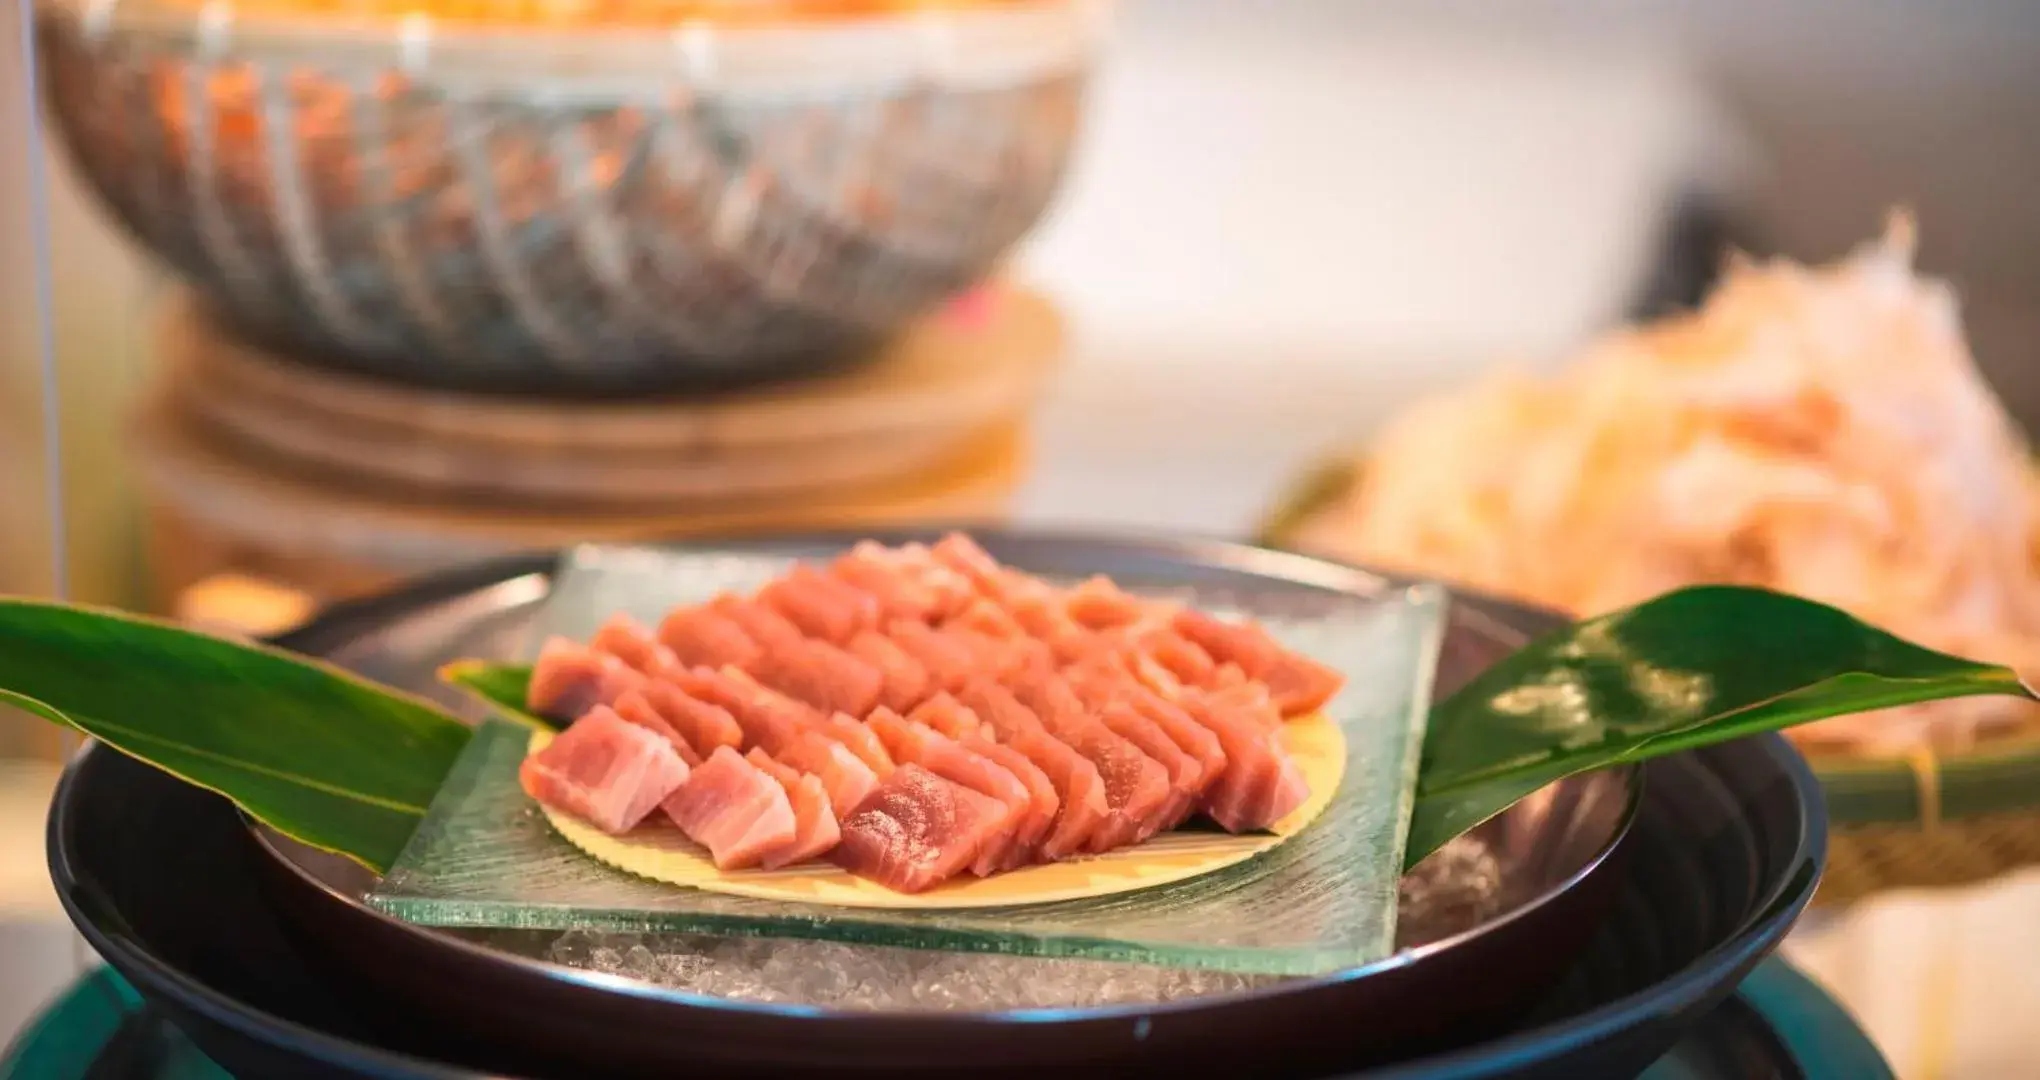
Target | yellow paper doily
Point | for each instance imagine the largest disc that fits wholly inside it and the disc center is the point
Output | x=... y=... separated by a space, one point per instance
x=658 y=851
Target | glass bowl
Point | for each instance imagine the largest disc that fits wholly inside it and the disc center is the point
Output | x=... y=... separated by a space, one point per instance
x=577 y=207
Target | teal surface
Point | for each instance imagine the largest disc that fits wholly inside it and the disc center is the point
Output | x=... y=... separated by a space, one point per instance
x=1811 y=1025
x=88 y=1023
x=68 y=1039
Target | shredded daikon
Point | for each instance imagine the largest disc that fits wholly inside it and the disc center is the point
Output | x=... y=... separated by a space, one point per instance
x=1822 y=431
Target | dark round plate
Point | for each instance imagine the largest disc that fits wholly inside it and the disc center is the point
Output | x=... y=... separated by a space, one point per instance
x=164 y=882
x=1727 y=848
x=1455 y=981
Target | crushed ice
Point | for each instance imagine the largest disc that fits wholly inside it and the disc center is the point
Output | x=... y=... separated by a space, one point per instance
x=840 y=976
x=1457 y=888
x=1454 y=890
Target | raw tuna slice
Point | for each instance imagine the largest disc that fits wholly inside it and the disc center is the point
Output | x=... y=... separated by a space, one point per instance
x=629 y=641
x=633 y=708
x=1147 y=672
x=996 y=708
x=1244 y=644
x=1045 y=621
x=604 y=769
x=903 y=681
x=877 y=573
x=822 y=675
x=738 y=813
x=1181 y=657
x=766 y=697
x=1078 y=787
x=845 y=776
x=963 y=555
x=1105 y=681
x=1026 y=844
x=1261 y=783
x=922 y=745
x=859 y=740
x=1185 y=773
x=1136 y=785
x=1099 y=604
x=814 y=823
x=704 y=725
x=1300 y=685
x=950 y=590
x=987 y=617
x=947 y=715
x=1228 y=675
x=822 y=606
x=947 y=659
x=700 y=637
x=570 y=678
x=916 y=831
x=760 y=622
x=992 y=581
x=1048 y=696
x=1191 y=737
x=1003 y=659
x=1296 y=683
x=767 y=718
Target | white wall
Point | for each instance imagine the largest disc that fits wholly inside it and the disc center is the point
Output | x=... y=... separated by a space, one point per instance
x=1854 y=104
x=1337 y=204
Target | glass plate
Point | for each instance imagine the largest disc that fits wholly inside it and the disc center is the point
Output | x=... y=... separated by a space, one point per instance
x=1322 y=901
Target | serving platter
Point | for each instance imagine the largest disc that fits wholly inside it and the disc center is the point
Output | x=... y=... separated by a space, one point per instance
x=1554 y=850
x=1313 y=894
x=1741 y=840
x=166 y=885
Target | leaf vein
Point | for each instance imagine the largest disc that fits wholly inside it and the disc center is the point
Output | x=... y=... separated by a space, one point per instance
x=261 y=770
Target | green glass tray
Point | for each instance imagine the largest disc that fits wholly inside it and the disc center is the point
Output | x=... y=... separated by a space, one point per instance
x=1322 y=901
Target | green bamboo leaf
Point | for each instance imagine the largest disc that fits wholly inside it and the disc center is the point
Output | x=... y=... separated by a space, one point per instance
x=320 y=755
x=345 y=765
x=500 y=686
x=1688 y=669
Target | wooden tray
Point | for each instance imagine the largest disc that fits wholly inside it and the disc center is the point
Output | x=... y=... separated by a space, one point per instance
x=919 y=402
x=212 y=510
x=1924 y=821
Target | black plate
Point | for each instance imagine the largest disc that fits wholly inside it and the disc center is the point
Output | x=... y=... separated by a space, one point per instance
x=1729 y=845
x=162 y=879
x=1457 y=980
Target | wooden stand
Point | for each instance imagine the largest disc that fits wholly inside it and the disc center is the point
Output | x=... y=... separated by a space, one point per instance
x=916 y=405
x=271 y=488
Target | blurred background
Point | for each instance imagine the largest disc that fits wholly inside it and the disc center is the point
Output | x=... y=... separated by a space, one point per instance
x=1279 y=223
